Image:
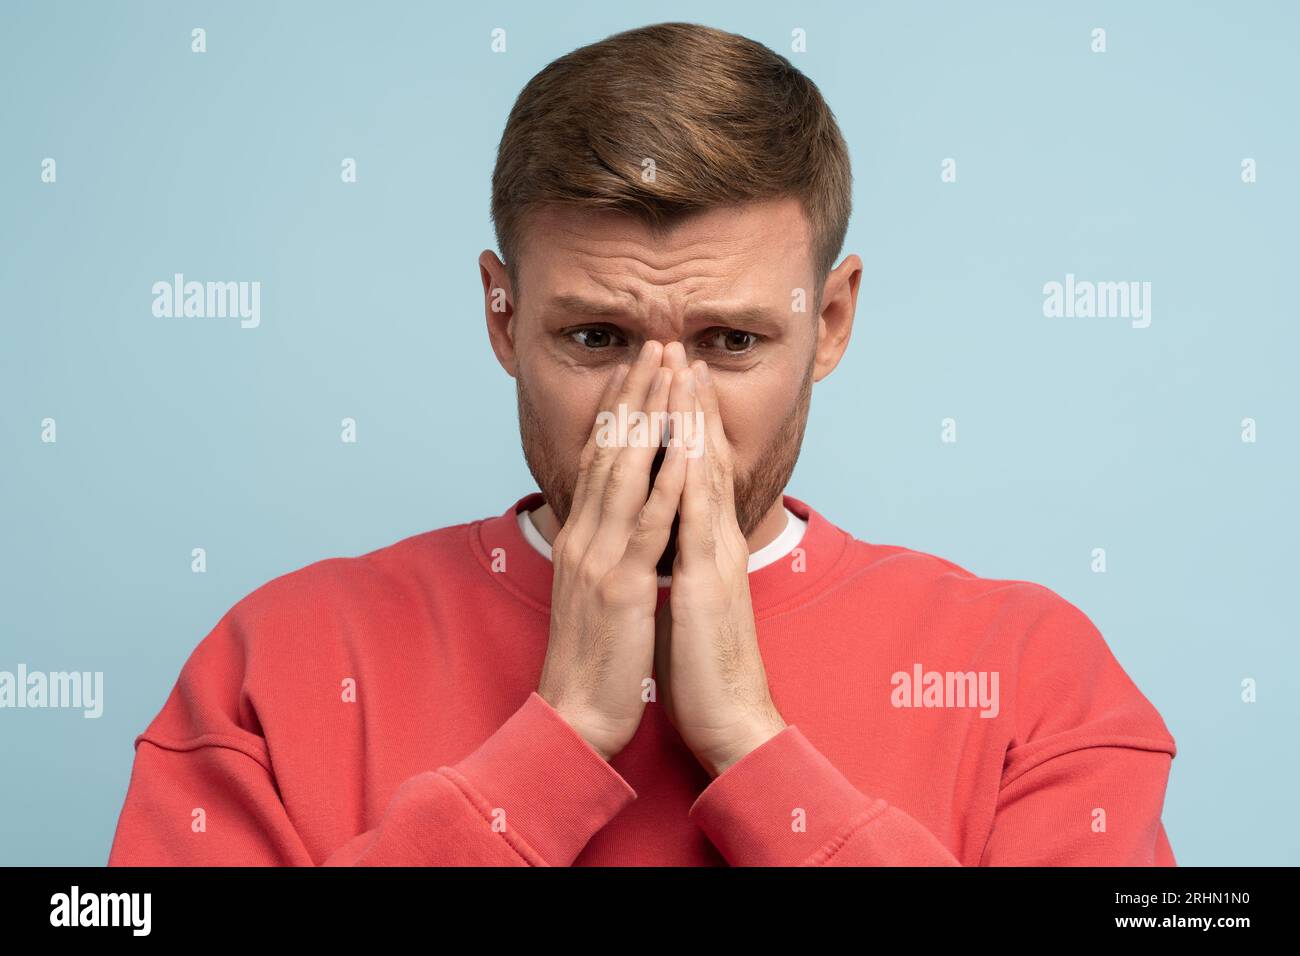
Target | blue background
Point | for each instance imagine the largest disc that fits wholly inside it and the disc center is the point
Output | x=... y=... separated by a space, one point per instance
x=1072 y=433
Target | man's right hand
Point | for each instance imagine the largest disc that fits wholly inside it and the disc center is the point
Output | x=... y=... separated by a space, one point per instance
x=602 y=640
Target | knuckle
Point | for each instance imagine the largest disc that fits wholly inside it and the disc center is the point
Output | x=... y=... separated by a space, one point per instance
x=618 y=589
x=589 y=576
x=566 y=554
x=608 y=589
x=594 y=570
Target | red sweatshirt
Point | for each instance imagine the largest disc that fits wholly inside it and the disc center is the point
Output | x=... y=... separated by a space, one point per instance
x=381 y=710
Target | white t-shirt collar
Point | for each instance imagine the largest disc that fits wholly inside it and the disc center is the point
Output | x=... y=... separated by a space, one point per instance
x=773 y=551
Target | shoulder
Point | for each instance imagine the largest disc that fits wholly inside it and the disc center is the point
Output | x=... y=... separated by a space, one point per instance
x=311 y=622
x=949 y=589
x=386 y=574
x=1063 y=687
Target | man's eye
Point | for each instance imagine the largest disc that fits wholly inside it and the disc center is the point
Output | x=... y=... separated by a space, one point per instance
x=595 y=338
x=732 y=340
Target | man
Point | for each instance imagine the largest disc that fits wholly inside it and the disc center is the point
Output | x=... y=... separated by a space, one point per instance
x=660 y=658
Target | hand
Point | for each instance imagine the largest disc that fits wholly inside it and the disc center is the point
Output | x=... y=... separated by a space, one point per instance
x=711 y=678
x=601 y=643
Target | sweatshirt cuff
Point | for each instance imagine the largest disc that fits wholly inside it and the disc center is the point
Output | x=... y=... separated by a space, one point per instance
x=554 y=789
x=779 y=804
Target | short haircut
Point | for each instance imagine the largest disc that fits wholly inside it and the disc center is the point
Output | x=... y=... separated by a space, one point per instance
x=724 y=119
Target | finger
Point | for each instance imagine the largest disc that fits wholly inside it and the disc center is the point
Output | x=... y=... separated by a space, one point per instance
x=629 y=475
x=607 y=400
x=632 y=394
x=655 y=520
x=695 y=533
x=721 y=470
x=675 y=356
x=675 y=360
x=708 y=399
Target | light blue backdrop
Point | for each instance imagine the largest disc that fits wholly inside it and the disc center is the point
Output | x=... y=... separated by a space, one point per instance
x=1073 y=434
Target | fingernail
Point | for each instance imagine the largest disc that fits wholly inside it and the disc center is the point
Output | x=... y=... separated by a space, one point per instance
x=690 y=381
x=702 y=370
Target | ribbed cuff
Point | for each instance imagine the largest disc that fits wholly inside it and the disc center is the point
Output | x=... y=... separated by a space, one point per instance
x=777 y=805
x=555 y=790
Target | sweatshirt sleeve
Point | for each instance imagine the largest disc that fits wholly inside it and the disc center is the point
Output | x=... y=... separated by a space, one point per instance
x=785 y=804
x=1082 y=781
x=532 y=794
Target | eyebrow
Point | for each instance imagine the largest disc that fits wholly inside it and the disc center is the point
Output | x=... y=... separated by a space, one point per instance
x=746 y=315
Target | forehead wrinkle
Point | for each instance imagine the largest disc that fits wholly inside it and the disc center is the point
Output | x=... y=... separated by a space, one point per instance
x=624 y=278
x=657 y=254
x=656 y=265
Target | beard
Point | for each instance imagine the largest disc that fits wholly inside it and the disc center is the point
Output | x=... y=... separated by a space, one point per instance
x=755 y=490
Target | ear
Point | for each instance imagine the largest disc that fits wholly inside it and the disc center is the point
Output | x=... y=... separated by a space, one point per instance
x=499 y=306
x=835 y=324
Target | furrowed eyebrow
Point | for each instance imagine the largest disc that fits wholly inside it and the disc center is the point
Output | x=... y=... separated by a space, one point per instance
x=577 y=305
x=743 y=316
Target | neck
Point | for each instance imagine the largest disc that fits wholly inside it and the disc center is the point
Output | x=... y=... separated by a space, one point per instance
x=773 y=523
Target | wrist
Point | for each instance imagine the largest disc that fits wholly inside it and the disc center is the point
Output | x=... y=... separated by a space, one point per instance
x=595 y=741
x=754 y=737
x=575 y=720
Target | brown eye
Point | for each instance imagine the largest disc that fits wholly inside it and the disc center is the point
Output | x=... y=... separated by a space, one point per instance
x=730 y=341
x=736 y=341
x=593 y=338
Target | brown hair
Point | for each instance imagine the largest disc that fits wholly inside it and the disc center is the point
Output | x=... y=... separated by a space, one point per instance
x=725 y=120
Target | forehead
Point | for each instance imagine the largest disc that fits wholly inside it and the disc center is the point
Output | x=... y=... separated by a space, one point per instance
x=751 y=251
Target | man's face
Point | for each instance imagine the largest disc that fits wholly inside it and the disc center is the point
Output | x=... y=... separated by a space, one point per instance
x=725 y=283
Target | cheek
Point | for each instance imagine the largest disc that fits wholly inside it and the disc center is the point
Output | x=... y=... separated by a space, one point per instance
x=567 y=404
x=753 y=411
